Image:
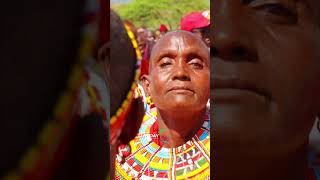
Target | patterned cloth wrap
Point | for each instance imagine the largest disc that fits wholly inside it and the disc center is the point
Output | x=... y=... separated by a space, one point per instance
x=94 y=95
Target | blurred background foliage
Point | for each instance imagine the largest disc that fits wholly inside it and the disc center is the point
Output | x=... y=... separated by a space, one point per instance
x=152 y=13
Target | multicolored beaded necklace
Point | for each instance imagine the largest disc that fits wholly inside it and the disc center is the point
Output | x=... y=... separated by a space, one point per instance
x=145 y=158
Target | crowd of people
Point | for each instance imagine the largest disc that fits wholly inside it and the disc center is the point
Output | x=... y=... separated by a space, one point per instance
x=195 y=22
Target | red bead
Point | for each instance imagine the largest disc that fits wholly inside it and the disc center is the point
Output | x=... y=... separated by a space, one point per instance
x=124 y=150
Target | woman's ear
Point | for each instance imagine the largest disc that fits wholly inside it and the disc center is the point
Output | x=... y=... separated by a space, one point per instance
x=145 y=80
x=104 y=61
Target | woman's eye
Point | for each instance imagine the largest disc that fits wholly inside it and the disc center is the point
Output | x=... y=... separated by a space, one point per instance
x=165 y=62
x=196 y=64
x=279 y=13
x=279 y=10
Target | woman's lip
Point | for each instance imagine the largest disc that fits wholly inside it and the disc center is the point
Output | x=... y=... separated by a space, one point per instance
x=233 y=83
x=180 y=88
x=233 y=88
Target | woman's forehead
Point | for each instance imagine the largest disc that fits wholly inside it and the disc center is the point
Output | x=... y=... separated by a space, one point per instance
x=175 y=41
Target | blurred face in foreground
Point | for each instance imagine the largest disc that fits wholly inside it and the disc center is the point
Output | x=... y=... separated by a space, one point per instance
x=266 y=69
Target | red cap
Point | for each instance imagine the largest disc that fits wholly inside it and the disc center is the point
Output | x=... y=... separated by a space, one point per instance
x=194 y=20
x=163 y=28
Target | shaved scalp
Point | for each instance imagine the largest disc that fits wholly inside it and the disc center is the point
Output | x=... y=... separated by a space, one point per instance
x=168 y=36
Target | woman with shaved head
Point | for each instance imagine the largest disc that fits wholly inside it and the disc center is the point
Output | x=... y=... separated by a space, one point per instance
x=173 y=141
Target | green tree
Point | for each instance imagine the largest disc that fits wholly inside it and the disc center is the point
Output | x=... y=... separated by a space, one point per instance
x=152 y=13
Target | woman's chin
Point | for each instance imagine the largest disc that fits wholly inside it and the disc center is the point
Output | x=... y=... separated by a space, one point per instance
x=185 y=106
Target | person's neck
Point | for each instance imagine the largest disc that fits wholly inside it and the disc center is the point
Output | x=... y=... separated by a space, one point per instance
x=250 y=165
x=176 y=128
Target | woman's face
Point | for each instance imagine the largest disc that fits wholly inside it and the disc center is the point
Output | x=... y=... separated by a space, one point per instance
x=179 y=73
x=265 y=72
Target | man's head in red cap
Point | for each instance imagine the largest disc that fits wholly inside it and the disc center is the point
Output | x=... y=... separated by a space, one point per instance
x=198 y=24
x=163 y=29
